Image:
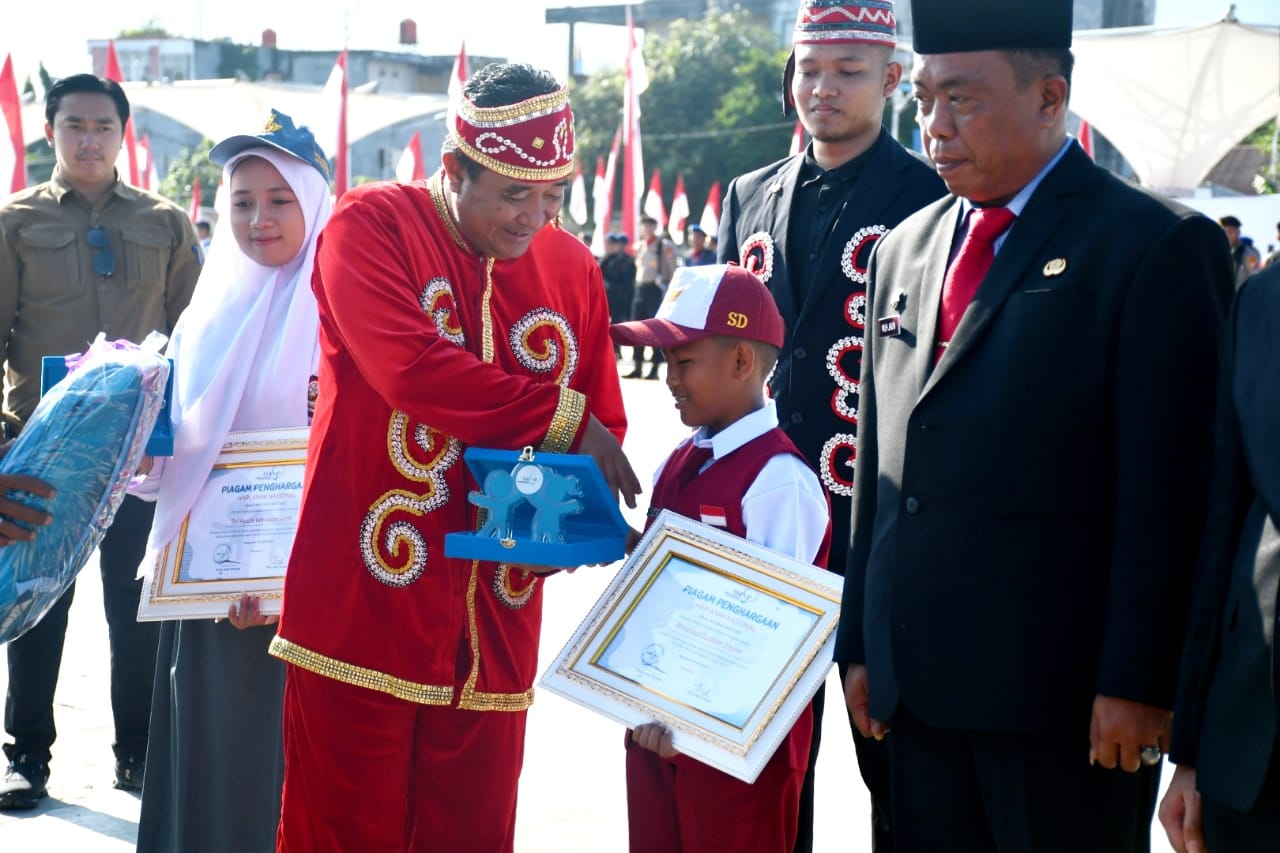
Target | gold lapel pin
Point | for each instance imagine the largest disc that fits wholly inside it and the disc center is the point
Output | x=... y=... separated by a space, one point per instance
x=776 y=188
x=1057 y=266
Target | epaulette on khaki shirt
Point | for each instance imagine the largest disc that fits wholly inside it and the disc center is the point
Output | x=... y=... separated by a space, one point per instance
x=52 y=302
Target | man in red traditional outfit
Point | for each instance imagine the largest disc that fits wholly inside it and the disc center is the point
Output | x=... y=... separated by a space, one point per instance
x=454 y=312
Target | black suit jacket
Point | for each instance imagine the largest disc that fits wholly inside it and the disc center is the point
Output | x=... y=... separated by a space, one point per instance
x=1026 y=513
x=816 y=381
x=1225 y=720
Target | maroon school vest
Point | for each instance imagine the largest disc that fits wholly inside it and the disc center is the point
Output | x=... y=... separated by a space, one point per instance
x=718 y=491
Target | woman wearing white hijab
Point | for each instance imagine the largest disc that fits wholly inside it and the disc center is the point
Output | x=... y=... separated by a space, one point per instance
x=245 y=353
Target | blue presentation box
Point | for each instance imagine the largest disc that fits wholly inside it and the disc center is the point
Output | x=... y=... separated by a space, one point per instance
x=54 y=367
x=540 y=509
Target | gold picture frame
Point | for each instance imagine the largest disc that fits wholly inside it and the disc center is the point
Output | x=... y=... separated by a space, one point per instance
x=723 y=640
x=238 y=534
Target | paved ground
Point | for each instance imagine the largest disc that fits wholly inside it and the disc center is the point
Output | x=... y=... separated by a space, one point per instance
x=571 y=797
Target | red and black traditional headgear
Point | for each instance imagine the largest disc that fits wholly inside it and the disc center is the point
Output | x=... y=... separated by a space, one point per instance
x=831 y=22
x=528 y=141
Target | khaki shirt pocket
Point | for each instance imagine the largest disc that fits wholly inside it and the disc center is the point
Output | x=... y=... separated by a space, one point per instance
x=50 y=259
x=146 y=256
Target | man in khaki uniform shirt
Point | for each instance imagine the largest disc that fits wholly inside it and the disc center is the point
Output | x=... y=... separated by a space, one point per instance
x=80 y=254
x=655 y=265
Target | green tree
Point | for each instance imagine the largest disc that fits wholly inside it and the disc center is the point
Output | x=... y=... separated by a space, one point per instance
x=150 y=29
x=1264 y=138
x=46 y=81
x=190 y=165
x=236 y=59
x=713 y=109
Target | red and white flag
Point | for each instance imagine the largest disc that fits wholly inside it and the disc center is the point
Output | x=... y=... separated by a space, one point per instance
x=1086 y=138
x=679 y=212
x=461 y=71
x=13 y=154
x=194 y=212
x=797 y=140
x=602 y=195
x=713 y=515
x=710 y=220
x=410 y=167
x=635 y=81
x=600 y=217
x=130 y=142
x=578 y=196
x=332 y=126
x=653 y=205
x=147 y=165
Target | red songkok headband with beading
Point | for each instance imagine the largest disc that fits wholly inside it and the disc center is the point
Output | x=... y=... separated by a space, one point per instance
x=528 y=141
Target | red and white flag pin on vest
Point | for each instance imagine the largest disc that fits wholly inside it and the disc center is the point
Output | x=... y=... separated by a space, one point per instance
x=713 y=515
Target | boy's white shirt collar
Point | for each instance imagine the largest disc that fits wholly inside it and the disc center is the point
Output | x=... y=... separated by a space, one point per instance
x=746 y=428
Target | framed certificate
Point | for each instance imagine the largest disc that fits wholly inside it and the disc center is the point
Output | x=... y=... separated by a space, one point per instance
x=721 y=639
x=238 y=534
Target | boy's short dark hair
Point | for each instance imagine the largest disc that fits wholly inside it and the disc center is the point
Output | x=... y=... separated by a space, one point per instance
x=767 y=354
x=1229 y=221
x=90 y=84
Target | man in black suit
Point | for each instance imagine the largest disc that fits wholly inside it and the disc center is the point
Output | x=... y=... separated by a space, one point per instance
x=1226 y=791
x=1032 y=460
x=806 y=225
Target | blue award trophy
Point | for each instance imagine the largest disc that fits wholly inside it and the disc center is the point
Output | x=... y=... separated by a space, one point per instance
x=548 y=509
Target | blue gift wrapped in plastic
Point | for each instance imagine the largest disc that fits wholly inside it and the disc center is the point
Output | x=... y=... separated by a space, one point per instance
x=548 y=509
x=85 y=439
x=54 y=367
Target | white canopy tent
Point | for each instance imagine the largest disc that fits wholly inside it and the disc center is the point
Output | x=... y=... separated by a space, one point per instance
x=1174 y=101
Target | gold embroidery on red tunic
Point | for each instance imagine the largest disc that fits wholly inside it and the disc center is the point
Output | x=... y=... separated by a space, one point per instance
x=435 y=187
x=514 y=588
x=437 y=300
x=487 y=339
x=472 y=699
x=543 y=342
x=395 y=551
x=359 y=676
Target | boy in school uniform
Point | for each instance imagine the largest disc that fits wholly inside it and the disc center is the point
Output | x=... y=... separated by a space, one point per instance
x=720 y=332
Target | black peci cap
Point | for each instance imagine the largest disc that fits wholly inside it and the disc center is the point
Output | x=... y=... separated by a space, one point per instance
x=948 y=26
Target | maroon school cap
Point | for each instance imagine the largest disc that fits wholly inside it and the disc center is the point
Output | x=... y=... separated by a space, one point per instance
x=717 y=299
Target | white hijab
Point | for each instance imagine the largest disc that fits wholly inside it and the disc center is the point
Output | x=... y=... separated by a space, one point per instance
x=246 y=347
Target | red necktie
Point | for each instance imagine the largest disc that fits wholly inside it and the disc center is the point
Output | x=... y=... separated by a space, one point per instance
x=977 y=251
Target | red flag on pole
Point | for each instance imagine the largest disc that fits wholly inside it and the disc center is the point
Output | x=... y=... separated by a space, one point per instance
x=147 y=165
x=653 y=205
x=797 y=140
x=130 y=142
x=636 y=80
x=602 y=195
x=1086 y=138
x=194 y=212
x=679 y=212
x=13 y=154
x=410 y=167
x=710 y=221
x=461 y=71
x=334 y=142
